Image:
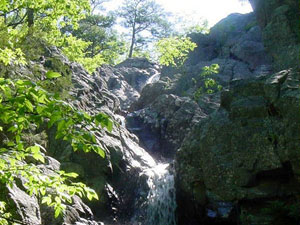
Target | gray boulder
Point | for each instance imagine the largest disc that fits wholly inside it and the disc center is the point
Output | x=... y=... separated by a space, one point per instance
x=127 y=79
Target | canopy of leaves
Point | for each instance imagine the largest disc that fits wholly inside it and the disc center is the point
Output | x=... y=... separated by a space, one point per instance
x=141 y=16
x=97 y=31
x=23 y=22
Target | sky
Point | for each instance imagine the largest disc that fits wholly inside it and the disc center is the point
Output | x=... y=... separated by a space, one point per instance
x=212 y=10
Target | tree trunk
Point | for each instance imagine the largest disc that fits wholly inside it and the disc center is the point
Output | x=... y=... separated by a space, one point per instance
x=132 y=43
x=30 y=17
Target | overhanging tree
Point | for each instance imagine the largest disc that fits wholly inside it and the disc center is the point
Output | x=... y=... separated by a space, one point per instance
x=27 y=21
x=97 y=30
x=142 y=16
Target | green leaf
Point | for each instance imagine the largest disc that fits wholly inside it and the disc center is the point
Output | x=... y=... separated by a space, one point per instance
x=39 y=157
x=34 y=149
x=61 y=125
x=43 y=191
x=40 y=109
x=51 y=75
x=57 y=212
x=29 y=105
x=54 y=118
x=10 y=144
x=18 y=138
x=46 y=200
x=109 y=125
x=99 y=151
x=57 y=200
x=42 y=99
x=73 y=175
x=87 y=116
x=89 y=196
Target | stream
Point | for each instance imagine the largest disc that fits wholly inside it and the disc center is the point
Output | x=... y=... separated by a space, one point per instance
x=158 y=205
x=161 y=202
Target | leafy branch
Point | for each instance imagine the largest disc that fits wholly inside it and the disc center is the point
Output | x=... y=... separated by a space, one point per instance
x=25 y=108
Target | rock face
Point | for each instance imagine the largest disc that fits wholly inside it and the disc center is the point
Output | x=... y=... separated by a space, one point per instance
x=127 y=79
x=246 y=151
x=235 y=43
x=161 y=126
x=124 y=160
x=279 y=21
x=240 y=165
x=166 y=110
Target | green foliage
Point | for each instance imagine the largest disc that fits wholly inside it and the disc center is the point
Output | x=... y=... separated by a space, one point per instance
x=143 y=16
x=75 y=48
x=97 y=31
x=44 y=13
x=206 y=84
x=174 y=51
x=48 y=18
x=27 y=108
x=7 y=55
x=51 y=75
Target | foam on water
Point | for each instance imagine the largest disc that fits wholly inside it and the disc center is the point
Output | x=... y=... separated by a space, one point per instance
x=161 y=202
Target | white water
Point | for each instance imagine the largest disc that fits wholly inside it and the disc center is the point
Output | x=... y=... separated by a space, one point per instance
x=160 y=202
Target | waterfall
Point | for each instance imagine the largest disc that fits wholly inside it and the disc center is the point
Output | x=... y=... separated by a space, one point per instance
x=161 y=197
x=160 y=203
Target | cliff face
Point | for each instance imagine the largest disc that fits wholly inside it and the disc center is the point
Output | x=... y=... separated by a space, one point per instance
x=245 y=152
x=279 y=21
x=241 y=164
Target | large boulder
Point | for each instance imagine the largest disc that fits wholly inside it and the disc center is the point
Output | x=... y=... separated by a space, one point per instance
x=237 y=37
x=127 y=79
x=279 y=21
x=162 y=125
x=248 y=150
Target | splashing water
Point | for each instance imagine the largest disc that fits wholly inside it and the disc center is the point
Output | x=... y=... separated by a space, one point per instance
x=161 y=203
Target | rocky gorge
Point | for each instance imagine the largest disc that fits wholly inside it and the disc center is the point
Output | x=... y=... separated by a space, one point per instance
x=230 y=157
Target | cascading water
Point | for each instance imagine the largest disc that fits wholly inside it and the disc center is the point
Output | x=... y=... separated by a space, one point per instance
x=161 y=197
x=157 y=205
x=160 y=203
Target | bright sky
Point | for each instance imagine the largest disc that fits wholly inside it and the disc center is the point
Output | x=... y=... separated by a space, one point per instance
x=212 y=10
